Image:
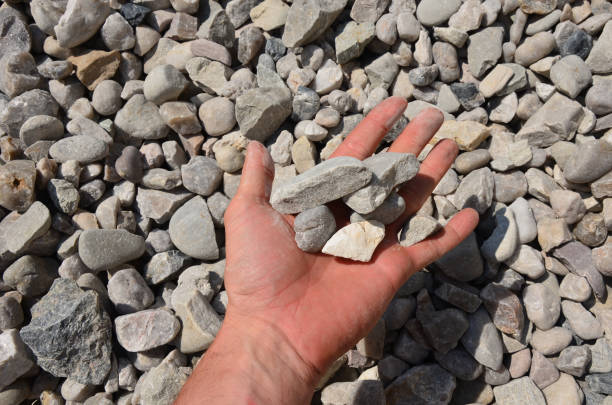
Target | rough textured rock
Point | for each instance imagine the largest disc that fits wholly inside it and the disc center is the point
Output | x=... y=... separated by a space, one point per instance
x=356 y=241
x=328 y=181
x=261 y=111
x=70 y=333
x=308 y=19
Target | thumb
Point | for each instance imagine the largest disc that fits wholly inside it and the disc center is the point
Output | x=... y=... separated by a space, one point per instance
x=257 y=175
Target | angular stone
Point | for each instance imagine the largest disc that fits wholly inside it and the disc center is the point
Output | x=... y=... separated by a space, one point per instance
x=308 y=19
x=600 y=57
x=518 y=392
x=459 y=297
x=261 y=111
x=519 y=363
x=467 y=134
x=545 y=127
x=543 y=372
x=504 y=307
x=211 y=50
x=17 y=180
x=94 y=67
x=482 y=340
x=574 y=360
x=583 y=323
x=200 y=322
x=495 y=80
x=356 y=241
x=161 y=384
x=417 y=229
x=326 y=182
x=484 y=50
x=389 y=170
x=145 y=330
x=34 y=223
x=578 y=259
x=80 y=21
x=70 y=333
x=164 y=265
x=382 y=71
x=564 y=390
x=14 y=358
x=103 y=249
x=352 y=40
x=570 y=75
x=426 y=384
x=159 y=205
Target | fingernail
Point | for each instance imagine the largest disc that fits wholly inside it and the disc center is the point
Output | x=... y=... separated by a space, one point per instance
x=393 y=119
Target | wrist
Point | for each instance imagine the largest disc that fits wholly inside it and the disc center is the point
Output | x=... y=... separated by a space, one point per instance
x=252 y=362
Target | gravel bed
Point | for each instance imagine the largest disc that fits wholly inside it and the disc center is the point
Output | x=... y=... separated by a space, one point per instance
x=123 y=131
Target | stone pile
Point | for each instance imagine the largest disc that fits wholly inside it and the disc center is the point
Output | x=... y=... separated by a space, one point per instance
x=123 y=132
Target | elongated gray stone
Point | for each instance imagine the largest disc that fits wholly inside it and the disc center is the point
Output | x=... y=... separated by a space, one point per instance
x=200 y=322
x=82 y=148
x=504 y=240
x=578 y=259
x=328 y=181
x=389 y=170
x=482 y=340
x=192 y=230
x=103 y=249
x=80 y=21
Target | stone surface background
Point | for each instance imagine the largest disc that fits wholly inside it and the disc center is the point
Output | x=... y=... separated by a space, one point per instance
x=123 y=130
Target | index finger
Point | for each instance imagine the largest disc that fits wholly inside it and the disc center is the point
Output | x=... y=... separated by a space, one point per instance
x=365 y=138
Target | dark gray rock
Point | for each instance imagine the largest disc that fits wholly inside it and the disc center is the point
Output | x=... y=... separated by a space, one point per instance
x=460 y=364
x=70 y=334
x=427 y=384
x=601 y=383
x=579 y=43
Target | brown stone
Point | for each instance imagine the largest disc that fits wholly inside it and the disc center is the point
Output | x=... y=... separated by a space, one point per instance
x=211 y=50
x=504 y=307
x=94 y=67
x=17 y=180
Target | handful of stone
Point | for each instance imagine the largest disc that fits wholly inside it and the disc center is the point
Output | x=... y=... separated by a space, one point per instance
x=368 y=188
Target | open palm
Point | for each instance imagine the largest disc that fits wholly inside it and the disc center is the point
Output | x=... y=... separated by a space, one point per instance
x=321 y=304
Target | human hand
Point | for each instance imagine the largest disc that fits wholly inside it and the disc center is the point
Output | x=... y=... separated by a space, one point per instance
x=314 y=307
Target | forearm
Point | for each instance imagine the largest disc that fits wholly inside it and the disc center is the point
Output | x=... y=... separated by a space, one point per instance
x=249 y=363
